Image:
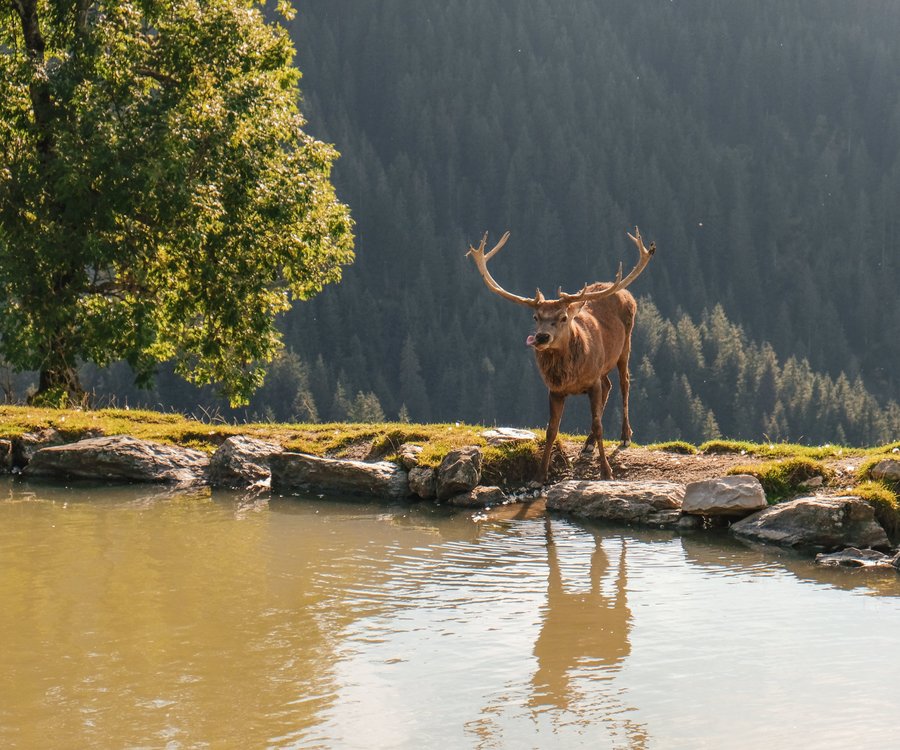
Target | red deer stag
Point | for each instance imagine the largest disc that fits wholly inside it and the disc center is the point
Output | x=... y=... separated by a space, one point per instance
x=578 y=340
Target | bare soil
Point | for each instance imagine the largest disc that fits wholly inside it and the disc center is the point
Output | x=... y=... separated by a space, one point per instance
x=635 y=463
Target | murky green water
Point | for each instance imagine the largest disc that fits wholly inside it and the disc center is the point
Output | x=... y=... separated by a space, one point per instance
x=134 y=619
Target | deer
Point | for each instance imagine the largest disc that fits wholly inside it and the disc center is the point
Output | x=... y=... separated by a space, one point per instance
x=578 y=340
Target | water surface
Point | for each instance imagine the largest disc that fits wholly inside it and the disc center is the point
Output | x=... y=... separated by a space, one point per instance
x=135 y=618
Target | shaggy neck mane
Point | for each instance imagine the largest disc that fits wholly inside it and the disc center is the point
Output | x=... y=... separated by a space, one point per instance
x=559 y=367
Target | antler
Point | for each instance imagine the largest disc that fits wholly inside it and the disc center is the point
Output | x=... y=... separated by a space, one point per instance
x=619 y=283
x=481 y=259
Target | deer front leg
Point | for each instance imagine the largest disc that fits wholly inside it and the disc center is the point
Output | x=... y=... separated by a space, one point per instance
x=557 y=402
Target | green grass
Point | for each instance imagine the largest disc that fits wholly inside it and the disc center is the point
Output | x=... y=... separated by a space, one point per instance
x=319 y=439
x=782 y=479
x=865 y=470
x=885 y=502
x=779 y=450
x=673 y=446
x=511 y=464
x=727 y=446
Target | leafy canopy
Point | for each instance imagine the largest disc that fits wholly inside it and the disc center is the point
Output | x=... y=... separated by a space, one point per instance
x=159 y=198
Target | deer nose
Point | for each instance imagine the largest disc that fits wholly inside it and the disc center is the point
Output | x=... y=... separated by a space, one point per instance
x=542 y=338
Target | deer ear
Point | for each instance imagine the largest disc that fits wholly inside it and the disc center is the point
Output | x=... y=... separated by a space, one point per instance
x=575 y=308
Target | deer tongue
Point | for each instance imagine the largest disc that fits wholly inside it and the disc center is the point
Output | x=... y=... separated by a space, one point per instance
x=530 y=340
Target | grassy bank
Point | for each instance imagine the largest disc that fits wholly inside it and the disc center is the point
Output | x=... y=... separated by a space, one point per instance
x=336 y=439
x=784 y=469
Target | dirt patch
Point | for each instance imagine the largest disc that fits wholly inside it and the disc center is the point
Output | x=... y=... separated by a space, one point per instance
x=635 y=463
x=360 y=450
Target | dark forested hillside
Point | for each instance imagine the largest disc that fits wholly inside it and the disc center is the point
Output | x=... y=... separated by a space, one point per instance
x=757 y=143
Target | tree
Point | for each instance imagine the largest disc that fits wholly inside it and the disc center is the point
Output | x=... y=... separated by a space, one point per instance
x=365 y=408
x=286 y=393
x=159 y=198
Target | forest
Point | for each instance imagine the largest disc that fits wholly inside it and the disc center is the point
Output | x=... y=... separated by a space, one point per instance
x=758 y=144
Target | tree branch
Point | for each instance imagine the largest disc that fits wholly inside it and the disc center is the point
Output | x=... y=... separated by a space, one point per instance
x=156 y=75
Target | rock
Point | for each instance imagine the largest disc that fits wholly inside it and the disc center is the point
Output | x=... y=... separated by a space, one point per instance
x=895 y=561
x=26 y=445
x=500 y=435
x=813 y=483
x=422 y=482
x=737 y=495
x=242 y=462
x=664 y=519
x=459 y=472
x=855 y=558
x=816 y=521
x=630 y=502
x=298 y=472
x=6 y=462
x=408 y=453
x=689 y=523
x=479 y=497
x=119 y=457
x=888 y=469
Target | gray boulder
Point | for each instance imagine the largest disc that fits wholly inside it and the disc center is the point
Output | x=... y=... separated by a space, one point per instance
x=888 y=469
x=119 y=458
x=689 y=523
x=242 y=462
x=422 y=482
x=459 y=472
x=855 y=558
x=408 y=454
x=629 y=502
x=24 y=446
x=294 y=473
x=737 y=495
x=479 y=497
x=829 y=523
x=6 y=463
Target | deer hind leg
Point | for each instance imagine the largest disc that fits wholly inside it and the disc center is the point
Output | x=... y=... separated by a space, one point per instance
x=598 y=401
x=557 y=402
x=598 y=395
x=625 y=385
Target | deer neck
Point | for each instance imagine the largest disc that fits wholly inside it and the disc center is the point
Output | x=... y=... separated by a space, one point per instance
x=561 y=366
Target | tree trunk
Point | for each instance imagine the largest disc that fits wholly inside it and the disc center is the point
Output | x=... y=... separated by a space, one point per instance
x=39 y=91
x=58 y=385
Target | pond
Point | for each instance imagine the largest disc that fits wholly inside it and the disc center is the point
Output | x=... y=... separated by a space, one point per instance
x=130 y=617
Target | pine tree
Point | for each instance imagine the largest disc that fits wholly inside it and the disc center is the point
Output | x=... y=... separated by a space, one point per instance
x=412 y=386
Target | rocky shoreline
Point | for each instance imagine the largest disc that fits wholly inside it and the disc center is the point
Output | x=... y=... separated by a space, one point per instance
x=844 y=529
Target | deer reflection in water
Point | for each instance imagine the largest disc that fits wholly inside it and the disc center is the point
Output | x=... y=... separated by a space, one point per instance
x=584 y=636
